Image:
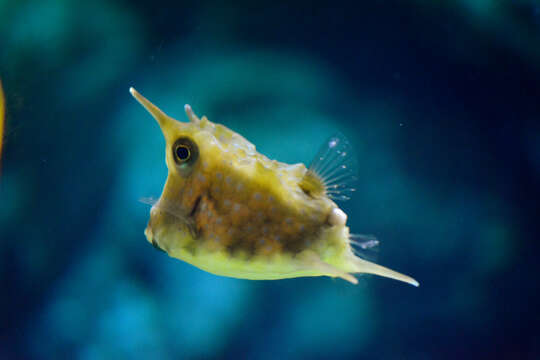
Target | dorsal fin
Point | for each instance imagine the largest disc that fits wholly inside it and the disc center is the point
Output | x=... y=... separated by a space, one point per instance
x=333 y=170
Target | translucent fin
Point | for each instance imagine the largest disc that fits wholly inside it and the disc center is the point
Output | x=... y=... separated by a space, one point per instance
x=364 y=241
x=367 y=267
x=168 y=207
x=149 y=200
x=314 y=261
x=364 y=246
x=335 y=167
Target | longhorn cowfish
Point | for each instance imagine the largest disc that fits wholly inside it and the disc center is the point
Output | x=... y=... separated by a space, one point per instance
x=231 y=211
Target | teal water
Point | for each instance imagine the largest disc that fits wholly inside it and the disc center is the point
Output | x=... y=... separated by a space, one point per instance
x=440 y=103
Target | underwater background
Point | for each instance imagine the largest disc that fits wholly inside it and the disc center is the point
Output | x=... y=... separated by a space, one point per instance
x=440 y=100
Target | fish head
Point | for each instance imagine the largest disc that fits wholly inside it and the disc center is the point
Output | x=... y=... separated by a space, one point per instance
x=198 y=153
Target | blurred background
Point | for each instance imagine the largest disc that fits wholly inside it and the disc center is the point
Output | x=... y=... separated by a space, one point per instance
x=441 y=101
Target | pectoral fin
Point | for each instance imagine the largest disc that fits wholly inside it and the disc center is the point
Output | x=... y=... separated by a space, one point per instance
x=333 y=170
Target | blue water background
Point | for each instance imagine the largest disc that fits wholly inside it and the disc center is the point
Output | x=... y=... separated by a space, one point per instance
x=440 y=100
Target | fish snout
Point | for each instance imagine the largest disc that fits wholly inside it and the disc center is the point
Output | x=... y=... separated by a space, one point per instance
x=150 y=237
x=148 y=233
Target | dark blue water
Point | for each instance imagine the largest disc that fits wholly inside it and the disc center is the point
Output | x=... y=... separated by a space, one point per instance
x=440 y=102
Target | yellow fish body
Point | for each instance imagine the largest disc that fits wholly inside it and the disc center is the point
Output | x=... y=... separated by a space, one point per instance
x=231 y=211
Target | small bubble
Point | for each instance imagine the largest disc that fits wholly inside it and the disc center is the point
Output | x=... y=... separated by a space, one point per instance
x=288 y=221
x=257 y=196
x=332 y=143
x=228 y=180
x=239 y=187
x=236 y=207
x=226 y=202
x=219 y=175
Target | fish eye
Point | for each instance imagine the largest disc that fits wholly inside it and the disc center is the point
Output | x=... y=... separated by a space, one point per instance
x=184 y=151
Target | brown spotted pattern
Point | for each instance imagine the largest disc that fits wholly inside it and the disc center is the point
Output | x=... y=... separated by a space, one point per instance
x=245 y=218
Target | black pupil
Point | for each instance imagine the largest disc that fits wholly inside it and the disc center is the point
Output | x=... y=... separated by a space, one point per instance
x=182 y=152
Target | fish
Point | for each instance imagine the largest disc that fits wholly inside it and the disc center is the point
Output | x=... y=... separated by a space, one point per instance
x=231 y=211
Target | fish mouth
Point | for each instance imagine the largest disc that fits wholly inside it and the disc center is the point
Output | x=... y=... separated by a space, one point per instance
x=151 y=239
x=149 y=234
x=164 y=214
x=156 y=246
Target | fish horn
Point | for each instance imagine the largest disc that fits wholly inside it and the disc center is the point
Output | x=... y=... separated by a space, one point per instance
x=191 y=115
x=165 y=122
x=364 y=266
